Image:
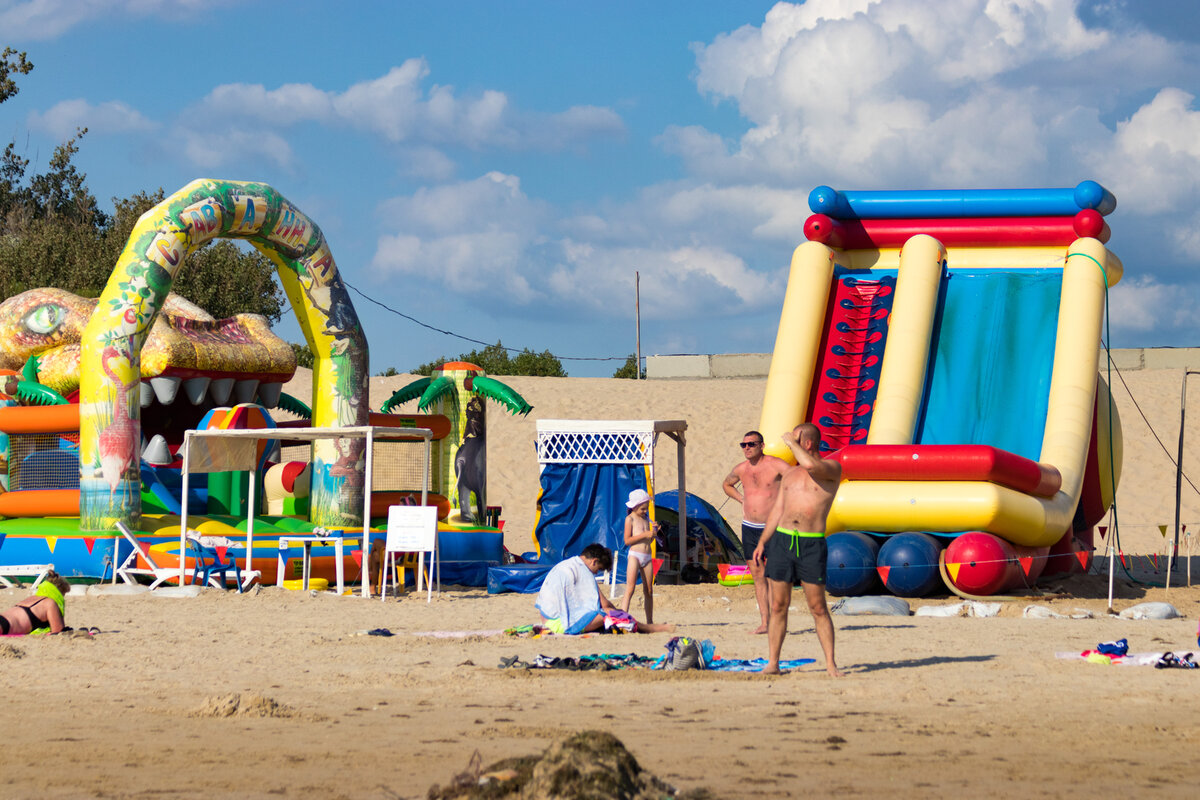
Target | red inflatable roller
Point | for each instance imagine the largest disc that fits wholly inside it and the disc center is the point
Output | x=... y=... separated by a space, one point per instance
x=871 y=234
x=947 y=462
x=983 y=564
x=1070 y=555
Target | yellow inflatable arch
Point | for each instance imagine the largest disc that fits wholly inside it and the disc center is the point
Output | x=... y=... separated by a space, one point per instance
x=110 y=414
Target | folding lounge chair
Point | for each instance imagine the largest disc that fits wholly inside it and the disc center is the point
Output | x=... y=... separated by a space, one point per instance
x=129 y=571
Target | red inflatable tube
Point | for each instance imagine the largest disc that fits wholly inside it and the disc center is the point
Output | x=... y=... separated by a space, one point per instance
x=984 y=564
x=946 y=462
x=970 y=232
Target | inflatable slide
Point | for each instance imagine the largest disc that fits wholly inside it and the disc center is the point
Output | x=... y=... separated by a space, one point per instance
x=946 y=344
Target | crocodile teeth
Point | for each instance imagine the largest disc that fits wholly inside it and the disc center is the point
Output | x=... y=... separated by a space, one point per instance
x=220 y=389
x=157 y=452
x=268 y=394
x=146 y=394
x=166 y=389
x=244 y=391
x=196 y=388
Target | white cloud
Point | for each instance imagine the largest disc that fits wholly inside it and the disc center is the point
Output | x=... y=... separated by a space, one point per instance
x=211 y=152
x=41 y=20
x=909 y=93
x=62 y=119
x=1141 y=304
x=397 y=108
x=486 y=238
x=1154 y=157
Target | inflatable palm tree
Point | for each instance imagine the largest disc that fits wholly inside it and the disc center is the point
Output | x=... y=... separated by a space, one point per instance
x=460 y=462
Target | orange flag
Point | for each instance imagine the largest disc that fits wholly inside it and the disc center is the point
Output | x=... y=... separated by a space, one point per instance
x=1082 y=555
x=953 y=570
x=89 y=542
x=1026 y=563
x=883 y=572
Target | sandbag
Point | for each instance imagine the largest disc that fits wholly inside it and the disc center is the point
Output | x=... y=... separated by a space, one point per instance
x=883 y=606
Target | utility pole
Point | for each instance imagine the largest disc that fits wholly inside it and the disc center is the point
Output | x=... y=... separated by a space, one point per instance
x=637 y=315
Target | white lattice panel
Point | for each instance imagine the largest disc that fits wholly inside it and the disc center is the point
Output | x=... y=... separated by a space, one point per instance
x=607 y=447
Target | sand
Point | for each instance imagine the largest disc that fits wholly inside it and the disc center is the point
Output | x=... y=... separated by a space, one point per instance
x=273 y=693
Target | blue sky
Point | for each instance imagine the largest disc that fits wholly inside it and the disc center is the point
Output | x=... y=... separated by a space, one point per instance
x=501 y=170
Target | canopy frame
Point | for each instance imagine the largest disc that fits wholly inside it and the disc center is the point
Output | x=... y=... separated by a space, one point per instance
x=368 y=432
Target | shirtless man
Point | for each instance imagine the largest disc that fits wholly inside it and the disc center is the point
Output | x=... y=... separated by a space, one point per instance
x=793 y=542
x=759 y=477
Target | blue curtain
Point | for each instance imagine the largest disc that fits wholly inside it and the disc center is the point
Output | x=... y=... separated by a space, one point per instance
x=582 y=504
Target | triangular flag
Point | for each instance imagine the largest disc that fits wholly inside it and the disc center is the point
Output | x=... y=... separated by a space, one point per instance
x=1154 y=561
x=1103 y=530
x=1162 y=529
x=89 y=542
x=357 y=554
x=1082 y=555
x=221 y=552
x=1121 y=556
x=883 y=572
x=1026 y=563
x=953 y=570
x=51 y=542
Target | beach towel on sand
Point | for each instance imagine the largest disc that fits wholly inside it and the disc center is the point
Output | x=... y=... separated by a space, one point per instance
x=569 y=594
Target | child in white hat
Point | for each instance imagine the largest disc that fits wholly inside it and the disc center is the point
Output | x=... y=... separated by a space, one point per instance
x=638 y=535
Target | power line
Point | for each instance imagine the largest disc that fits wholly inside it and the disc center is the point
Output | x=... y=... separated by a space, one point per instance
x=426 y=325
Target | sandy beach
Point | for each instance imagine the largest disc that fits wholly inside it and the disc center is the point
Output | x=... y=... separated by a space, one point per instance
x=277 y=693
x=931 y=707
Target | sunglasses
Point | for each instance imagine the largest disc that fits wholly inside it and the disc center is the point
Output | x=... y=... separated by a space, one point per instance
x=744 y=445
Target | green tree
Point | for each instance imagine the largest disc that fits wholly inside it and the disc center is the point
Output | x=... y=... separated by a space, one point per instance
x=494 y=359
x=629 y=369
x=12 y=63
x=304 y=355
x=53 y=233
x=387 y=373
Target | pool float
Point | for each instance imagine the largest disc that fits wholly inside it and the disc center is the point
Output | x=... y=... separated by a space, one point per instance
x=734 y=575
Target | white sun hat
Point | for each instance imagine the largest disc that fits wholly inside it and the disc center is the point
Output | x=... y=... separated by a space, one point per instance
x=636 y=498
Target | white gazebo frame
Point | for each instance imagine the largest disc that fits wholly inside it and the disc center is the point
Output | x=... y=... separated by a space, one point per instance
x=607 y=441
x=368 y=432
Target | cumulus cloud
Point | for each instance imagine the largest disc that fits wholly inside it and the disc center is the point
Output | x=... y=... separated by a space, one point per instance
x=485 y=238
x=1142 y=304
x=398 y=108
x=914 y=93
x=62 y=119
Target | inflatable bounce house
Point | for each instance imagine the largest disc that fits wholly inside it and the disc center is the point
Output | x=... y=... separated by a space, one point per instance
x=99 y=397
x=946 y=344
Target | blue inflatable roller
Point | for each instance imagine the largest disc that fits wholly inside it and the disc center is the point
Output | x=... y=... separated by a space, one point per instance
x=908 y=563
x=850 y=570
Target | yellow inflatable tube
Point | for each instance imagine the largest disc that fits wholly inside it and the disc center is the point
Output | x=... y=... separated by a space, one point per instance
x=801 y=325
x=906 y=357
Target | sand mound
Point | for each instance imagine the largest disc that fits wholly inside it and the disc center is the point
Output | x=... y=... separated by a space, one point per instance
x=8 y=651
x=244 y=705
x=589 y=765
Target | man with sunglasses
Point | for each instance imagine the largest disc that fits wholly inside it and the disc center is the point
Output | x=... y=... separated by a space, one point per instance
x=759 y=477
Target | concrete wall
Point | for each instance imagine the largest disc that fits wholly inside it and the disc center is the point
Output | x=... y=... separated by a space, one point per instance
x=756 y=365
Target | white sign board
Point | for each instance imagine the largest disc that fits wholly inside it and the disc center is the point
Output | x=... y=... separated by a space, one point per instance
x=412 y=529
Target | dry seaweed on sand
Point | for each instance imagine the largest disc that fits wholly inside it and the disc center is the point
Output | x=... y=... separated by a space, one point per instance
x=589 y=765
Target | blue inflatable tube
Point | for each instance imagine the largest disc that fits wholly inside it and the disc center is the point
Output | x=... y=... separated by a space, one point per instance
x=962 y=203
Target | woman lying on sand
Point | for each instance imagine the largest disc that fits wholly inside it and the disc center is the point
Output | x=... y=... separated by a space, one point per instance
x=45 y=608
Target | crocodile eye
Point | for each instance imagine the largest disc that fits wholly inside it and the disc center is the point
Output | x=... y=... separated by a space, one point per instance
x=45 y=319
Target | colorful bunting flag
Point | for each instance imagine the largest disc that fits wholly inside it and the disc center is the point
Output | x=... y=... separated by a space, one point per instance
x=1103 y=530
x=1163 y=530
x=89 y=542
x=953 y=570
x=1026 y=563
x=883 y=573
x=1082 y=555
